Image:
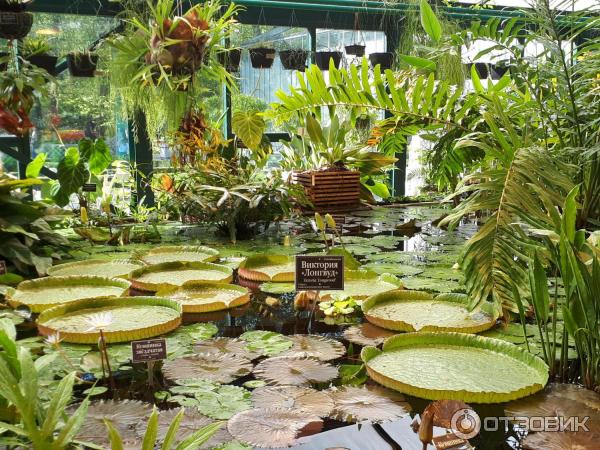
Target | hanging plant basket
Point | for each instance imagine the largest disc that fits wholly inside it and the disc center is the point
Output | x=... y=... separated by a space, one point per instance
x=322 y=59
x=293 y=59
x=328 y=189
x=498 y=71
x=262 y=57
x=481 y=68
x=355 y=50
x=385 y=59
x=231 y=60
x=82 y=64
x=43 y=61
x=12 y=6
x=15 y=25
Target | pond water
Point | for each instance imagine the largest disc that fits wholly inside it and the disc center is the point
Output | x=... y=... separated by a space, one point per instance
x=423 y=258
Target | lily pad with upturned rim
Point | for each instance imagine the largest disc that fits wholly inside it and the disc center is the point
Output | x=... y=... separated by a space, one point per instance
x=206 y=297
x=175 y=274
x=361 y=284
x=403 y=310
x=131 y=318
x=44 y=293
x=115 y=268
x=264 y=267
x=277 y=288
x=179 y=253
x=455 y=366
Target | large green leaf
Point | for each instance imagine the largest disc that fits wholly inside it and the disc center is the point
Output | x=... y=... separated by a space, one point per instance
x=72 y=173
x=35 y=166
x=249 y=126
x=96 y=153
x=430 y=22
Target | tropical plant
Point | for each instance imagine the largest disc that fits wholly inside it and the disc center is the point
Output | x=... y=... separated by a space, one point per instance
x=28 y=241
x=36 y=424
x=162 y=60
x=169 y=441
x=35 y=46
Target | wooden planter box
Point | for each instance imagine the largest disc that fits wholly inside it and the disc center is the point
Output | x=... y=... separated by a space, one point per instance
x=330 y=189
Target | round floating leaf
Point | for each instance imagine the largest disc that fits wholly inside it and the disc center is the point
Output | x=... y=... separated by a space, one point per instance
x=222 y=402
x=364 y=283
x=273 y=427
x=206 y=297
x=372 y=403
x=361 y=250
x=43 y=293
x=455 y=366
x=277 y=288
x=401 y=270
x=225 y=345
x=367 y=334
x=179 y=253
x=296 y=398
x=176 y=274
x=285 y=370
x=114 y=268
x=123 y=319
x=219 y=368
x=268 y=267
x=402 y=310
x=123 y=415
x=315 y=346
x=432 y=284
x=266 y=343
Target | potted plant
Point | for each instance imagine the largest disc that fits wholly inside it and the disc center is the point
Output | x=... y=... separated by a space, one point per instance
x=15 y=23
x=355 y=50
x=498 y=70
x=262 y=57
x=294 y=59
x=322 y=59
x=231 y=59
x=36 y=52
x=82 y=64
x=481 y=68
x=383 y=59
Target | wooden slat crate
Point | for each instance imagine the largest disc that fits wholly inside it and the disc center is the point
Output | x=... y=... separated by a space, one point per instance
x=330 y=189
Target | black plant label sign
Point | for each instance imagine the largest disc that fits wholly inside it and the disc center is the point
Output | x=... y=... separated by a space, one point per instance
x=319 y=273
x=149 y=350
x=89 y=187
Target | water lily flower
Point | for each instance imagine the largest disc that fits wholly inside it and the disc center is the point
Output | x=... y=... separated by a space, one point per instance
x=53 y=339
x=99 y=321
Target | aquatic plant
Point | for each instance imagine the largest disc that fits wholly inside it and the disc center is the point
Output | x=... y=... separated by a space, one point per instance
x=220 y=368
x=297 y=398
x=367 y=403
x=314 y=346
x=297 y=371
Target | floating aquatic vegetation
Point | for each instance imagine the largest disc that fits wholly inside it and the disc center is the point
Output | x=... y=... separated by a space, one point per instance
x=179 y=253
x=267 y=343
x=401 y=270
x=361 y=249
x=277 y=288
x=181 y=341
x=364 y=283
x=225 y=345
x=314 y=346
x=339 y=305
x=418 y=283
x=219 y=368
x=455 y=366
x=297 y=398
x=175 y=274
x=286 y=370
x=131 y=318
x=369 y=402
x=124 y=416
x=268 y=267
x=206 y=297
x=273 y=427
x=403 y=310
x=367 y=334
x=44 y=293
x=113 y=268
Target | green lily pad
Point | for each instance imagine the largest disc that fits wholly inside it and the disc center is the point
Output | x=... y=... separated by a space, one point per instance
x=268 y=267
x=455 y=366
x=267 y=343
x=206 y=297
x=364 y=283
x=402 y=270
x=417 y=283
x=98 y=267
x=277 y=288
x=175 y=274
x=180 y=253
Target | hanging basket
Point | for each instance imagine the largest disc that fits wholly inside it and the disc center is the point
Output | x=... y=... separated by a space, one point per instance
x=293 y=59
x=322 y=59
x=498 y=71
x=481 y=68
x=262 y=57
x=355 y=50
x=385 y=60
x=15 y=25
x=43 y=61
x=231 y=60
x=82 y=64
x=12 y=6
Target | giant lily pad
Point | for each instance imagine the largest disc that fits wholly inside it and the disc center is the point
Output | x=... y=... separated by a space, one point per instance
x=175 y=274
x=402 y=310
x=455 y=366
x=361 y=284
x=315 y=346
x=120 y=319
x=287 y=370
x=180 y=253
x=206 y=297
x=218 y=368
x=44 y=293
x=116 y=268
x=268 y=267
x=273 y=427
